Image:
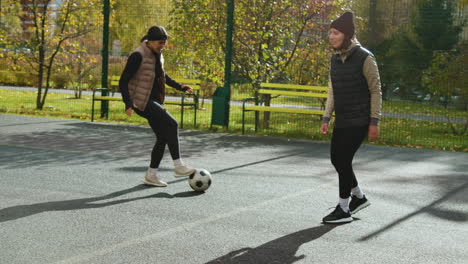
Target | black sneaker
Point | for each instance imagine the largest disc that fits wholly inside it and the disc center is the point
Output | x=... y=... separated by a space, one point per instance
x=338 y=216
x=357 y=204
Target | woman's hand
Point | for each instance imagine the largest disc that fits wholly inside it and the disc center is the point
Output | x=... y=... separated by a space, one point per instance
x=129 y=111
x=187 y=88
x=324 y=128
x=373 y=132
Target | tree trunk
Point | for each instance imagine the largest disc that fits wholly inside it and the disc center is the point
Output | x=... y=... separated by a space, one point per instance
x=80 y=86
x=46 y=90
x=40 y=78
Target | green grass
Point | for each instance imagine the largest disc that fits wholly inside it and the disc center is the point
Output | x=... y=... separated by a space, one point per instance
x=399 y=132
x=421 y=109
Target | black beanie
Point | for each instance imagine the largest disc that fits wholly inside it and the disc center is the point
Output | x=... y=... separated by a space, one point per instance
x=157 y=33
x=345 y=24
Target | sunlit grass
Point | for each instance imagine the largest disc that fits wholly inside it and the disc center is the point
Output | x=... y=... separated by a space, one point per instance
x=401 y=132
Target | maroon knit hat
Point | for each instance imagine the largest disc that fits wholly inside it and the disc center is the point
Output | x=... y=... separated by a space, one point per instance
x=345 y=24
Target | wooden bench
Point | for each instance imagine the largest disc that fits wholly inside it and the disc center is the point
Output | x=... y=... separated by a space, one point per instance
x=114 y=84
x=195 y=84
x=269 y=91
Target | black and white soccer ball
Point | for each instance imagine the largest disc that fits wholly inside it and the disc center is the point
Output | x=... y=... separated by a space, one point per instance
x=200 y=180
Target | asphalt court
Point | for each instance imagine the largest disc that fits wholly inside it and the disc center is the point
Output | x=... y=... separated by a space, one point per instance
x=71 y=192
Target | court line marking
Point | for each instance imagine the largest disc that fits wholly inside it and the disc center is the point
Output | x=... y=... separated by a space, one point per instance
x=187 y=226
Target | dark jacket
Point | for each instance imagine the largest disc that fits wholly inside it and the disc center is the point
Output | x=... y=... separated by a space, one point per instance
x=369 y=70
x=350 y=90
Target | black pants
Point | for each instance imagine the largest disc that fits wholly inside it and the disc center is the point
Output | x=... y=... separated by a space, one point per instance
x=344 y=144
x=166 y=129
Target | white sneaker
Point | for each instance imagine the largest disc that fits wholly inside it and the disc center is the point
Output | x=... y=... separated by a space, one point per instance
x=183 y=171
x=152 y=179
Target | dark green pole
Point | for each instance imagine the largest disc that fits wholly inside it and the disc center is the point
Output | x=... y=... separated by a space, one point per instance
x=229 y=29
x=371 y=28
x=105 y=57
x=222 y=95
x=227 y=67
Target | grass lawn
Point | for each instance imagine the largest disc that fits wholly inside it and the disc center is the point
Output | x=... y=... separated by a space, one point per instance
x=399 y=132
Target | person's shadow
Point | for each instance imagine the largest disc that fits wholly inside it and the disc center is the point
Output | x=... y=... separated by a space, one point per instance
x=281 y=250
x=20 y=211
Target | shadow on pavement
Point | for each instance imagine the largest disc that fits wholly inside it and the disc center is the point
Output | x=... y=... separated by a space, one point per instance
x=20 y=211
x=279 y=251
x=80 y=142
x=434 y=208
x=141 y=169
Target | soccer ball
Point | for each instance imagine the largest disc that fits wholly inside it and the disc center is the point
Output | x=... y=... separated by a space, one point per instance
x=200 y=180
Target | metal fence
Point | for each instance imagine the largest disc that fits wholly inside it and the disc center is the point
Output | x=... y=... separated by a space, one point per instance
x=415 y=112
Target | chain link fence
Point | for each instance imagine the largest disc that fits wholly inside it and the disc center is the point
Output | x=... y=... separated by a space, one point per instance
x=420 y=46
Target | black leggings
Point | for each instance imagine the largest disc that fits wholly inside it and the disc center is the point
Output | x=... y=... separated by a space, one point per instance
x=344 y=144
x=166 y=129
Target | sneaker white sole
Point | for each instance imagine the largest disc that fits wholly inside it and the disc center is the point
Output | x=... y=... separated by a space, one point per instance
x=154 y=184
x=359 y=208
x=339 y=221
x=184 y=175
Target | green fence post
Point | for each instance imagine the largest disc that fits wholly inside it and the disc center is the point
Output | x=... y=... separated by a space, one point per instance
x=229 y=30
x=371 y=27
x=105 y=58
x=222 y=96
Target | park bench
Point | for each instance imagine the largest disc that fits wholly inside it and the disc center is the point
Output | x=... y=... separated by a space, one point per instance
x=195 y=84
x=269 y=91
x=114 y=84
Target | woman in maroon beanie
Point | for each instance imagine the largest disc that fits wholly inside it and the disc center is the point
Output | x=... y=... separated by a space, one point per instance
x=355 y=97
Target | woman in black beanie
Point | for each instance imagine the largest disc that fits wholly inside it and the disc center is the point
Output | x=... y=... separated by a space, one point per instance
x=142 y=85
x=355 y=97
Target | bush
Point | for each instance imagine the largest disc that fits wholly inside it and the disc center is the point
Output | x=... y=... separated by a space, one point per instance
x=60 y=80
x=17 y=78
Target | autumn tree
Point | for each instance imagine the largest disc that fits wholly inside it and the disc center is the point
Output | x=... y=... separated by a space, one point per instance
x=10 y=23
x=10 y=30
x=79 y=63
x=446 y=79
x=131 y=19
x=268 y=35
x=51 y=27
x=198 y=28
x=431 y=27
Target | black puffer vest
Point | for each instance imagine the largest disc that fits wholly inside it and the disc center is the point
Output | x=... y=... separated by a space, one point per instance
x=350 y=89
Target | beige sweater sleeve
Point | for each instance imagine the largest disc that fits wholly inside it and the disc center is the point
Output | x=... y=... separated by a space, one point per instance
x=330 y=105
x=371 y=73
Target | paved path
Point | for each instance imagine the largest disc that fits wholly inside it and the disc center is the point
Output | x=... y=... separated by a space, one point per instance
x=71 y=192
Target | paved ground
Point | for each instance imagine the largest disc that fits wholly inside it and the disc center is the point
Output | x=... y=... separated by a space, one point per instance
x=71 y=192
